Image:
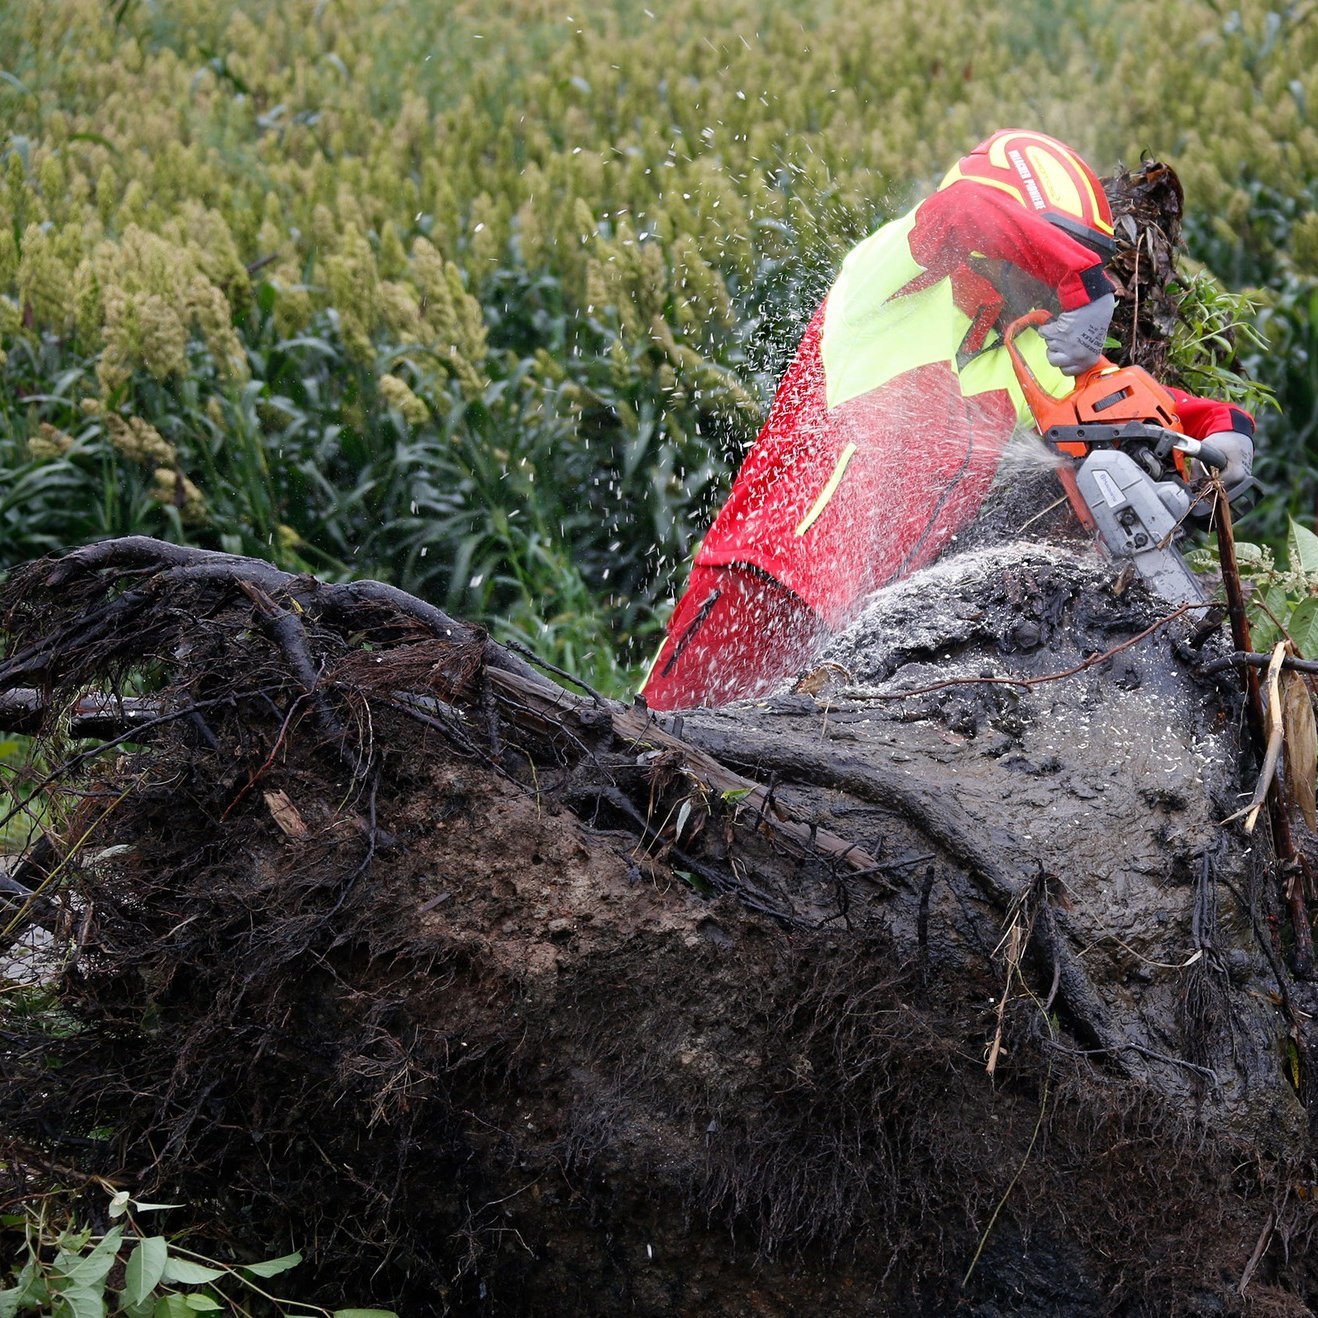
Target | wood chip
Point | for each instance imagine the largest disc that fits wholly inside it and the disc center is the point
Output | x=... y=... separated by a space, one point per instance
x=1301 y=741
x=285 y=814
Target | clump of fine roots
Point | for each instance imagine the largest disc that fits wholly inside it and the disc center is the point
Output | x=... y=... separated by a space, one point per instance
x=1148 y=205
x=382 y=945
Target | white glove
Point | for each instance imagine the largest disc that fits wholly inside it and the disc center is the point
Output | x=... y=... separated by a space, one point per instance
x=1238 y=449
x=1075 y=338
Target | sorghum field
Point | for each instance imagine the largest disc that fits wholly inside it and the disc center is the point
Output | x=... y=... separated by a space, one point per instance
x=488 y=300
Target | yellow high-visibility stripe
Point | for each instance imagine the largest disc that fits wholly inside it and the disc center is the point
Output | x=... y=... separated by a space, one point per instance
x=954 y=175
x=1095 y=210
x=1093 y=215
x=654 y=663
x=997 y=152
x=828 y=491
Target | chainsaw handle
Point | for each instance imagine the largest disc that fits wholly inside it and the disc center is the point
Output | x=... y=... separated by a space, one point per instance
x=1208 y=454
x=1036 y=317
x=1037 y=398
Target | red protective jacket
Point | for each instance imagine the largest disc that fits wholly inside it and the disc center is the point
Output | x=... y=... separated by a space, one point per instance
x=888 y=426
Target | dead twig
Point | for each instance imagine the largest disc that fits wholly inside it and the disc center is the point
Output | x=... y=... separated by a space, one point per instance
x=1265 y=1238
x=1015 y=944
x=1255 y=659
x=1272 y=754
x=1288 y=853
x=526 y=653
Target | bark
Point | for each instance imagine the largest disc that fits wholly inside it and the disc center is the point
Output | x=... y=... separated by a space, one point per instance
x=930 y=983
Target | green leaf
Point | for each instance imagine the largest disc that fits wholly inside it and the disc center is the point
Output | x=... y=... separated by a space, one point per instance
x=1303 y=626
x=184 y=1272
x=1263 y=635
x=273 y=1267
x=1265 y=605
x=71 y=1244
x=119 y=1204
x=1252 y=555
x=79 y=1302
x=90 y=1271
x=172 y=1306
x=145 y=1268
x=29 y=1292
x=1302 y=550
x=364 y=1313
x=204 y=1304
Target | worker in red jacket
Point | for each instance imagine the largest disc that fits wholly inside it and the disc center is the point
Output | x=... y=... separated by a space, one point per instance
x=889 y=424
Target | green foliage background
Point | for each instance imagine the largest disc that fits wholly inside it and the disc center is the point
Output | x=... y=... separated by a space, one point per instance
x=489 y=303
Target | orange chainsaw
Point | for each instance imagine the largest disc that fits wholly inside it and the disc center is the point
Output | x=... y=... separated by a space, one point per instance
x=1122 y=462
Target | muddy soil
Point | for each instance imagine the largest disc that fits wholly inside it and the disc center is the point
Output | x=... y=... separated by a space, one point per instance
x=934 y=984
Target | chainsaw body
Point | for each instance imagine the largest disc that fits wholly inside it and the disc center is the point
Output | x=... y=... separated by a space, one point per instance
x=1122 y=463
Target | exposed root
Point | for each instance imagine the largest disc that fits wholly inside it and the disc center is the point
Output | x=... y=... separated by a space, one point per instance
x=512 y=998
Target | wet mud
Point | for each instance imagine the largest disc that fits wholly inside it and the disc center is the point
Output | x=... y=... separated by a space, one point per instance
x=931 y=985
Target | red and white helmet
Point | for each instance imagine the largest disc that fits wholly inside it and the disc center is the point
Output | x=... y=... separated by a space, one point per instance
x=1046 y=177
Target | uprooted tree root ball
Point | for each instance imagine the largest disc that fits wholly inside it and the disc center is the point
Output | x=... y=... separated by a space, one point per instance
x=495 y=997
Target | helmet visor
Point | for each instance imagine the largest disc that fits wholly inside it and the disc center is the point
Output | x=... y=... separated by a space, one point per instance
x=1097 y=241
